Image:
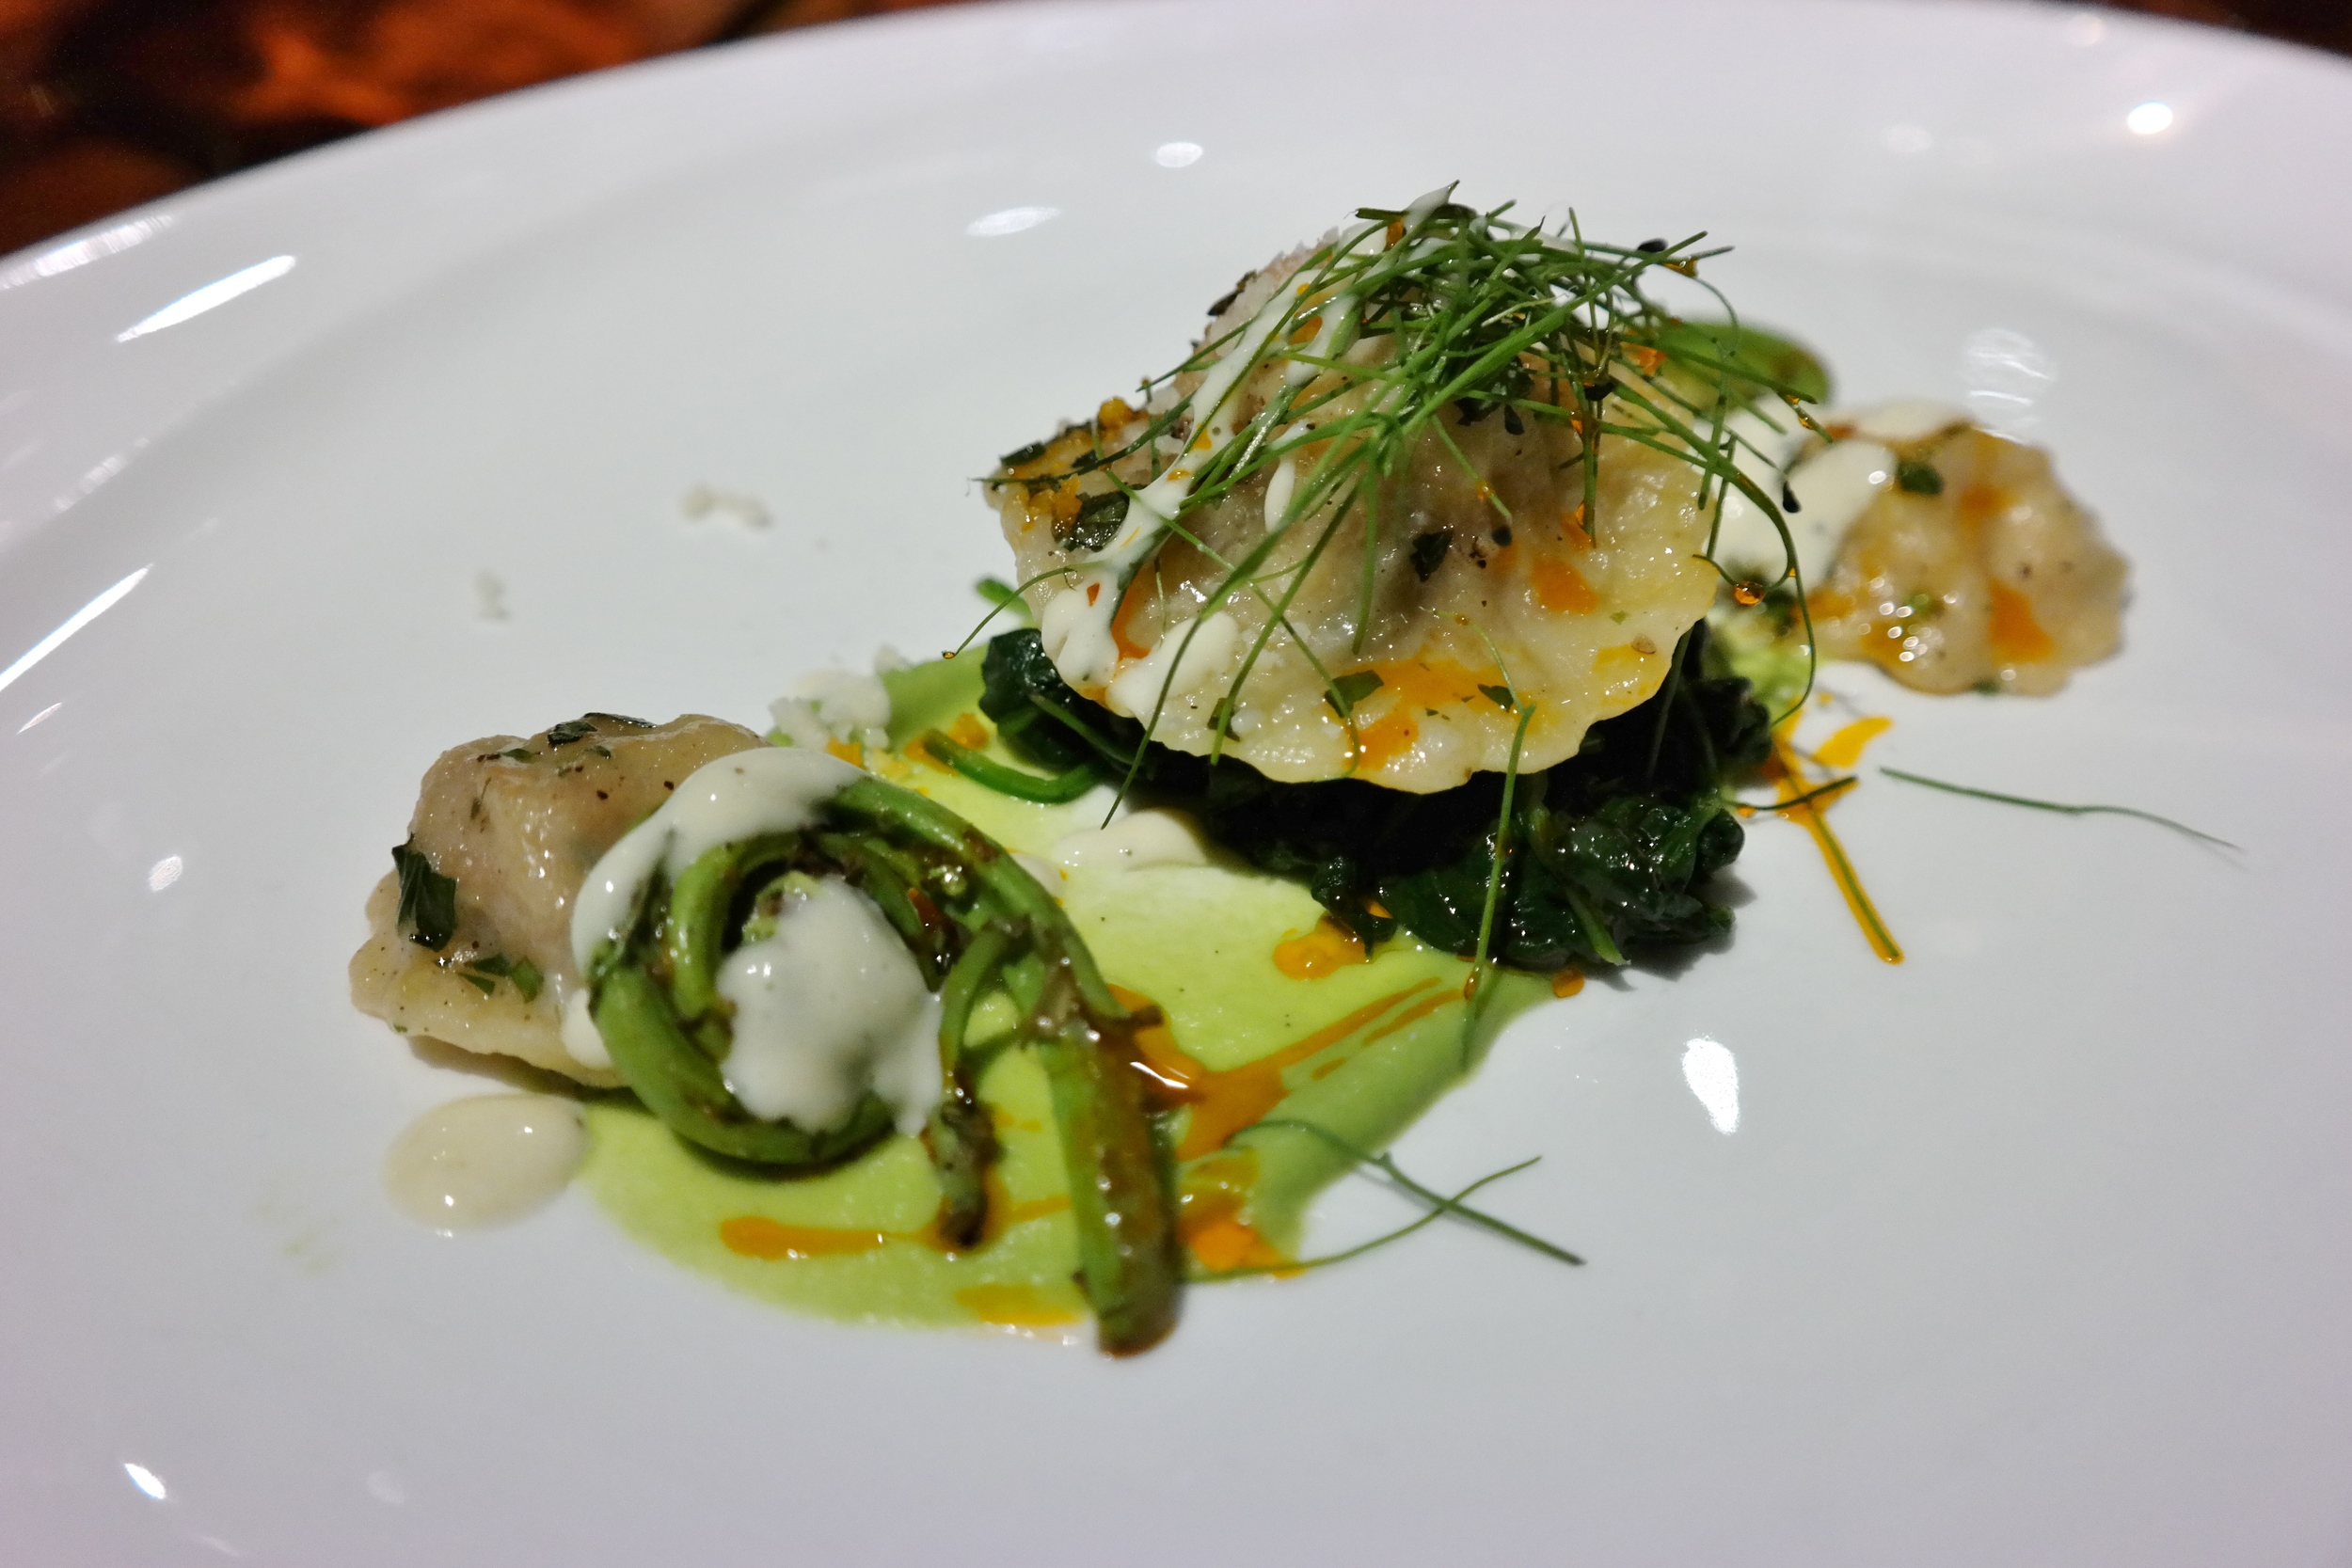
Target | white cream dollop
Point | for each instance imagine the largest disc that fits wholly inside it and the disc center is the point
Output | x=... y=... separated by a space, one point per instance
x=1834 y=486
x=829 y=1007
x=484 y=1161
x=769 y=789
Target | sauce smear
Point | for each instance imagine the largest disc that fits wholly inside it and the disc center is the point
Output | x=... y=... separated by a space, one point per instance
x=1224 y=1103
x=1792 y=783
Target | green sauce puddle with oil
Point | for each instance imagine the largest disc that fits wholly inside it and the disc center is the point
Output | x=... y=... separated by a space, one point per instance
x=1199 y=940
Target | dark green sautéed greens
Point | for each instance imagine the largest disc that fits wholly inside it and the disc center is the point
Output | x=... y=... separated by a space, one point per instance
x=1608 y=853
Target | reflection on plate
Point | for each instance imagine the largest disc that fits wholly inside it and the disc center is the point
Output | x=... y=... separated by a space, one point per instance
x=305 y=475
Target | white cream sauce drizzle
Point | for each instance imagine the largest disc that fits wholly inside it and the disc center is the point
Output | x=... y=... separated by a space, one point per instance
x=1746 y=540
x=828 y=1007
x=769 y=789
x=484 y=1161
x=1075 y=625
x=1136 y=690
x=1833 y=488
x=581 y=1042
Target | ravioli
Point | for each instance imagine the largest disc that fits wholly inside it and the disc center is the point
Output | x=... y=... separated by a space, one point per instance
x=1992 y=579
x=517 y=822
x=1484 y=567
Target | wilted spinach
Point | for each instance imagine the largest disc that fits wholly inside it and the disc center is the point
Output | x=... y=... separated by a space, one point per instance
x=1610 y=849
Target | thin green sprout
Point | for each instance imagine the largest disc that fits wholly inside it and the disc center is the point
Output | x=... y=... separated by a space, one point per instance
x=999 y=607
x=1819 y=792
x=1482 y=963
x=2053 y=805
x=1005 y=596
x=1462 y=296
x=1439 y=1204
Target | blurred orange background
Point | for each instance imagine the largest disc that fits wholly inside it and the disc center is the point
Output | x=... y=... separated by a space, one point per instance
x=106 y=104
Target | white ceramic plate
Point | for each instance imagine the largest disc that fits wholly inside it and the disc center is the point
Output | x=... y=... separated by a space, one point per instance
x=2030 y=1250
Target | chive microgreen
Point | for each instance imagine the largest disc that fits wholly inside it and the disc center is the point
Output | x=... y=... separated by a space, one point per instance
x=986 y=771
x=1005 y=597
x=1425 y=313
x=1440 y=1206
x=2032 y=804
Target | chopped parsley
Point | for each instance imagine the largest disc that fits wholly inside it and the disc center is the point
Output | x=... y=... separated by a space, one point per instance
x=1918 y=478
x=428 y=900
x=1097 y=522
x=1348 y=690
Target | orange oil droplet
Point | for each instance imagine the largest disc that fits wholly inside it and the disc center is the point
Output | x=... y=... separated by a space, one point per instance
x=1212 y=1227
x=1568 y=982
x=1561 y=589
x=1794 y=782
x=1845 y=748
x=757 y=1236
x=1326 y=950
x=1224 y=1102
x=1385 y=739
x=1746 y=593
x=2015 y=635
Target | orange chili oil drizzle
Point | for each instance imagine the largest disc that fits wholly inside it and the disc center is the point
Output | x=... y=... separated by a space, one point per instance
x=1791 y=781
x=1222 y=1101
x=757 y=1236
